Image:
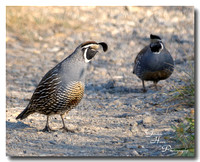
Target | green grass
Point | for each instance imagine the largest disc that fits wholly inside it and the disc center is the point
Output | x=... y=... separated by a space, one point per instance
x=185 y=135
x=185 y=131
x=185 y=93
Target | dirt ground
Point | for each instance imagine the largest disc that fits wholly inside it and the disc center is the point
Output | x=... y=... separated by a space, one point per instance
x=114 y=118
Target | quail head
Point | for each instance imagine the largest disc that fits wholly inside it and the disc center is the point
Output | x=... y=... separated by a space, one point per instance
x=62 y=88
x=153 y=62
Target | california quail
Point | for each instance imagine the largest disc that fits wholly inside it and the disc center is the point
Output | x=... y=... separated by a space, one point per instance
x=153 y=62
x=62 y=88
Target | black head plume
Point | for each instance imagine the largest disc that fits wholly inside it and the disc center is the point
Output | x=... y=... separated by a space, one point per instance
x=104 y=45
x=154 y=37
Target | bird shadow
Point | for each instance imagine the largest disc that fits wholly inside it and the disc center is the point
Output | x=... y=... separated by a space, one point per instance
x=112 y=88
x=17 y=125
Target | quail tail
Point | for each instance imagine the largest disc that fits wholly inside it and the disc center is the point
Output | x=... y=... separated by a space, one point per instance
x=24 y=114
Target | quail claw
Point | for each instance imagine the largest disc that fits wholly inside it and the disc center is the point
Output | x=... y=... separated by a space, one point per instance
x=65 y=129
x=47 y=129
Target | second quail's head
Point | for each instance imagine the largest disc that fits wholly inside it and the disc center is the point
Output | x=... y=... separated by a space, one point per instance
x=90 y=48
x=156 y=45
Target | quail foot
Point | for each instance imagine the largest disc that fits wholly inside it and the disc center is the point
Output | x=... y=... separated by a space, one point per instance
x=153 y=62
x=62 y=88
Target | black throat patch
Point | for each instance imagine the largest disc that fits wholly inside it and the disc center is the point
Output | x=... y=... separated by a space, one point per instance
x=156 y=47
x=90 y=53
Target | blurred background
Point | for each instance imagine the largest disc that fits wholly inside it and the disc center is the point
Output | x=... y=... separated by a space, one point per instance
x=39 y=37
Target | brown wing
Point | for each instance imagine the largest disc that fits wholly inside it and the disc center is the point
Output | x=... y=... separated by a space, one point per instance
x=45 y=91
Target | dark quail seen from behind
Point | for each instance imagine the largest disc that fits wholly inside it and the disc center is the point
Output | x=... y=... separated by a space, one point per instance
x=153 y=62
x=62 y=88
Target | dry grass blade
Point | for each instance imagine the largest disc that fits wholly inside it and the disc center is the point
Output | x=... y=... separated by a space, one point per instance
x=185 y=93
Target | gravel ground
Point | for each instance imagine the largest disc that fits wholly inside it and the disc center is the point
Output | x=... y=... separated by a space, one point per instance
x=114 y=118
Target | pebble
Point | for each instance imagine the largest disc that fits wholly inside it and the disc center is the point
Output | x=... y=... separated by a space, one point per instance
x=135 y=153
x=139 y=122
x=148 y=120
x=140 y=146
x=54 y=49
x=52 y=142
x=137 y=102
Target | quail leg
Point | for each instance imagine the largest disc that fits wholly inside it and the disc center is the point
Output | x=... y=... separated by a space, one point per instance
x=64 y=127
x=47 y=128
x=155 y=84
x=144 y=89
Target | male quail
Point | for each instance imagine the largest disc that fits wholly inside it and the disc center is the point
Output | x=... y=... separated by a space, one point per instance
x=62 y=88
x=153 y=62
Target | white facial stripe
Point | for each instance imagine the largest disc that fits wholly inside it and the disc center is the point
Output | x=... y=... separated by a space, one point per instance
x=92 y=46
x=161 y=46
x=86 y=46
x=156 y=53
x=85 y=58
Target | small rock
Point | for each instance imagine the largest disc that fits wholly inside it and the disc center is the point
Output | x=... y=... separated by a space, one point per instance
x=136 y=153
x=110 y=84
x=148 y=120
x=137 y=101
x=192 y=111
x=140 y=146
x=52 y=142
x=134 y=124
x=178 y=120
x=54 y=49
x=31 y=120
x=139 y=122
x=131 y=43
x=118 y=103
x=125 y=115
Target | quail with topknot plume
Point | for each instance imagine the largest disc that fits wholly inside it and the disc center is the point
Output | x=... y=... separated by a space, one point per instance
x=153 y=62
x=62 y=88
